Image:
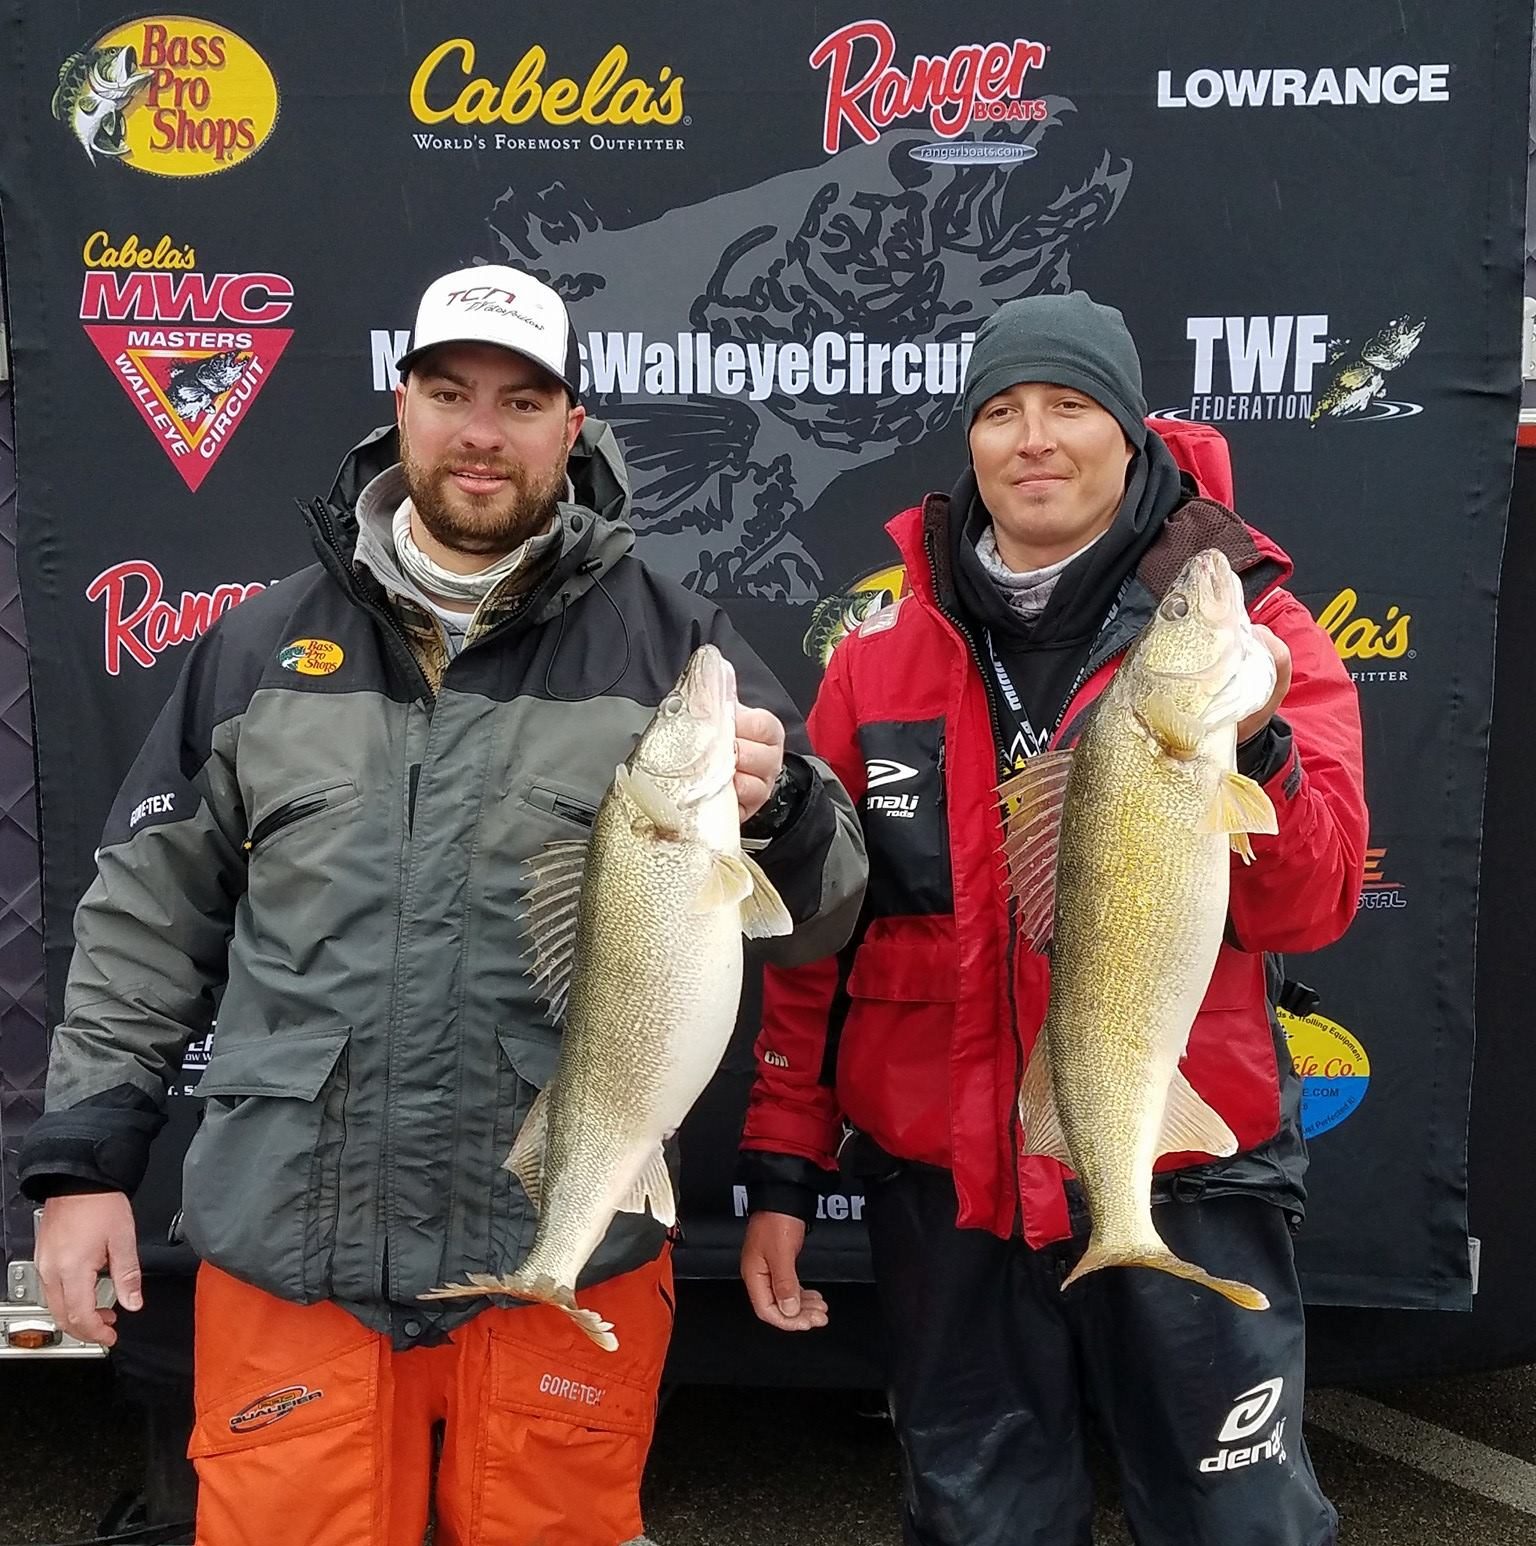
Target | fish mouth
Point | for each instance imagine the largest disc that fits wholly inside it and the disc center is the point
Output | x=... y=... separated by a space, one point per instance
x=707 y=688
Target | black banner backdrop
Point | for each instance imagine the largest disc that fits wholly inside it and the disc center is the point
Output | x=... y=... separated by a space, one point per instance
x=778 y=229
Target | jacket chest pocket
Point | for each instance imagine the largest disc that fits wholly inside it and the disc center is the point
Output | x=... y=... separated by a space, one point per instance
x=284 y=817
x=905 y=820
x=262 y=1177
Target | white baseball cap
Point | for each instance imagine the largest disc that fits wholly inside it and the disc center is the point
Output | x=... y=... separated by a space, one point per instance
x=493 y=304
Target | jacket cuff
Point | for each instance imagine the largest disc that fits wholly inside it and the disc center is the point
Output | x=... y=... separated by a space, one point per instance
x=797 y=851
x=1261 y=757
x=780 y=1183
x=100 y=1145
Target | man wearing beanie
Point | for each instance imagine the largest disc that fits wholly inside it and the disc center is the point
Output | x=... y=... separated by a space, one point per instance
x=350 y=779
x=903 y=1055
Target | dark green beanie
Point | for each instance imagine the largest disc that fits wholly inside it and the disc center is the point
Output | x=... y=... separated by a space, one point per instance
x=1066 y=340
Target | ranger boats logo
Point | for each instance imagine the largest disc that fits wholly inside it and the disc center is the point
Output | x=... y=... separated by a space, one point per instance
x=200 y=346
x=972 y=86
x=1250 y=1413
x=1289 y=367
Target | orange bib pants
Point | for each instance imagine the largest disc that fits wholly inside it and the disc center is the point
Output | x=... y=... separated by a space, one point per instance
x=312 y=1430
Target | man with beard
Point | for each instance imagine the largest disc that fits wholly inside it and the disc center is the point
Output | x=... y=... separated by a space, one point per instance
x=327 y=834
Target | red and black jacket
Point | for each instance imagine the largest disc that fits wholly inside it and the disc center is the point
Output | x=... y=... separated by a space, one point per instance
x=916 y=1035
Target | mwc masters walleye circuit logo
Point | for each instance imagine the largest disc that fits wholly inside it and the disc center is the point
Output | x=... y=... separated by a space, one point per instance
x=196 y=349
x=172 y=95
x=517 y=111
x=973 y=86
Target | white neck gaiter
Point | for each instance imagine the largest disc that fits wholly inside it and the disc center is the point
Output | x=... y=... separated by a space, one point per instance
x=437 y=581
x=1027 y=591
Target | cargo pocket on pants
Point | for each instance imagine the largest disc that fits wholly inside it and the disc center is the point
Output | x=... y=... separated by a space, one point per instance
x=565 y=1427
x=287 y=1441
x=262 y=1177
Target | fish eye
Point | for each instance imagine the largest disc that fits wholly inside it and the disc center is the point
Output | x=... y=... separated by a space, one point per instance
x=1174 y=607
x=672 y=704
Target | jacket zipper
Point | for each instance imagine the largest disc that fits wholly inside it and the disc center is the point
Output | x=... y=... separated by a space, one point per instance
x=285 y=816
x=1015 y=1127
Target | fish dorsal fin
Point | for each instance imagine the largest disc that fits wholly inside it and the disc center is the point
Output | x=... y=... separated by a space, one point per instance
x=1043 y=1132
x=641 y=790
x=654 y=1186
x=1190 y=1126
x=550 y=917
x=1032 y=800
x=738 y=879
x=1240 y=807
x=526 y=1161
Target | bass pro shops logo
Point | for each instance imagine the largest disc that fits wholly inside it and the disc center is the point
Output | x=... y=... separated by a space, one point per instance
x=972 y=86
x=170 y=95
x=1250 y=1413
x=192 y=381
x=1288 y=367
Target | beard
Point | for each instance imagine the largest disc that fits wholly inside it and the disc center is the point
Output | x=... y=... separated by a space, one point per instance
x=484 y=525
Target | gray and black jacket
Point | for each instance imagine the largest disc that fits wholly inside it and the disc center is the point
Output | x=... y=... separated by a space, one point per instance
x=328 y=826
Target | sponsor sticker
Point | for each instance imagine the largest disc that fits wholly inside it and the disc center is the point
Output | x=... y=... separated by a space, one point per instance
x=272 y=1407
x=192 y=349
x=311 y=657
x=1334 y=1068
x=175 y=96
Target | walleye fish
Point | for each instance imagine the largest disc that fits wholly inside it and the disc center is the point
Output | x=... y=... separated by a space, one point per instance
x=637 y=946
x=92 y=97
x=1118 y=854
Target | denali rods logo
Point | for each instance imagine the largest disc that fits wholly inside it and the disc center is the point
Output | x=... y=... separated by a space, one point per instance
x=192 y=382
x=974 y=84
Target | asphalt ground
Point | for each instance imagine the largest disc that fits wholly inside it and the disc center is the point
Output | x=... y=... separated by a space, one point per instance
x=1429 y=1464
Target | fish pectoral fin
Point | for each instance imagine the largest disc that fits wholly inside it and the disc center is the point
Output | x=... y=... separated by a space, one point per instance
x=1240 y=807
x=1032 y=801
x=738 y=879
x=526 y=1161
x=1043 y=1132
x=728 y=882
x=654 y=1186
x=1171 y=727
x=763 y=913
x=641 y=790
x=1190 y=1125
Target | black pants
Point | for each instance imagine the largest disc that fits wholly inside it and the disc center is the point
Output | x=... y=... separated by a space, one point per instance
x=993 y=1372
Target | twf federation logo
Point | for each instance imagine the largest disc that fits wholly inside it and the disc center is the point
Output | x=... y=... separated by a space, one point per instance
x=170 y=95
x=1250 y=1413
x=192 y=383
x=1289 y=368
x=973 y=85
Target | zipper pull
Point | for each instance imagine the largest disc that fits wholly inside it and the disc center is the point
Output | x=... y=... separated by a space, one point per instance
x=943 y=751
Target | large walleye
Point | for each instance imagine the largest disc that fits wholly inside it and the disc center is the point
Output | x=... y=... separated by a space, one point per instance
x=1119 y=855
x=637 y=945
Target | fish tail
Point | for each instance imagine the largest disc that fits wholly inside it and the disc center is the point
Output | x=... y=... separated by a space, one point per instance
x=1095 y=1257
x=544 y=1290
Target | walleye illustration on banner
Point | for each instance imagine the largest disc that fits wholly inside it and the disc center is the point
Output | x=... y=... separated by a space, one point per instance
x=200 y=347
x=886 y=264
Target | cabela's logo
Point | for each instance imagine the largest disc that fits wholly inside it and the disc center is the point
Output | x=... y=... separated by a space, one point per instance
x=171 y=95
x=192 y=382
x=1374 y=652
x=973 y=85
x=446 y=89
